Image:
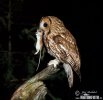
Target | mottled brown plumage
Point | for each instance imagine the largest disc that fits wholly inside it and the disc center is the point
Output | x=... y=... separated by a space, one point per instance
x=61 y=44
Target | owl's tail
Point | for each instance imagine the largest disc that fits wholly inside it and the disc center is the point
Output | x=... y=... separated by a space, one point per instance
x=76 y=68
x=75 y=65
x=78 y=73
x=69 y=73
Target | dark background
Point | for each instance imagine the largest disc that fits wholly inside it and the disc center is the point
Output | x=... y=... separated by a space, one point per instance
x=83 y=19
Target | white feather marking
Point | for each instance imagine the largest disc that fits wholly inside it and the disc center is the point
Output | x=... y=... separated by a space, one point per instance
x=41 y=24
x=63 y=47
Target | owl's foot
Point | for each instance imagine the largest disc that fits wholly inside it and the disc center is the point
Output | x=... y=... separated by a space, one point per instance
x=54 y=62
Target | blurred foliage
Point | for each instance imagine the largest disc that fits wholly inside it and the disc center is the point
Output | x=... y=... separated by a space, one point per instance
x=15 y=66
x=17 y=47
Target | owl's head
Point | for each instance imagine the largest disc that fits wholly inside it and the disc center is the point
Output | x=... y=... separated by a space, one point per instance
x=45 y=24
x=49 y=23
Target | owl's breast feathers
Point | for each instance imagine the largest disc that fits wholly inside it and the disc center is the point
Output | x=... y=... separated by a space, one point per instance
x=63 y=47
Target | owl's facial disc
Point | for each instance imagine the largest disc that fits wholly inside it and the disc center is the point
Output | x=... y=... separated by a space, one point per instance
x=45 y=25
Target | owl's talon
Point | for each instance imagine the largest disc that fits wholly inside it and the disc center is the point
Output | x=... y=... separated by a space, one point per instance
x=54 y=62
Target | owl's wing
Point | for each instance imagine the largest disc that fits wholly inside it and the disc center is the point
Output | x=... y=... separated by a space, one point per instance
x=67 y=51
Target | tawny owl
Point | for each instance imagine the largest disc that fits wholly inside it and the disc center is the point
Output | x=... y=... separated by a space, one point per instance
x=61 y=44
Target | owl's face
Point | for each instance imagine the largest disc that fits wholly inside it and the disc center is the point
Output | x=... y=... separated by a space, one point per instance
x=45 y=24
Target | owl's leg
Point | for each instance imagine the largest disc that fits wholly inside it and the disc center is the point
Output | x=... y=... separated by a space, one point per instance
x=54 y=62
x=69 y=73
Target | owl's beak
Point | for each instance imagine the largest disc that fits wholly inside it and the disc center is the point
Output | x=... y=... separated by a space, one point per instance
x=41 y=30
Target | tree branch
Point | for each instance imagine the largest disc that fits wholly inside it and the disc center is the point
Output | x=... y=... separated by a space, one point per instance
x=34 y=88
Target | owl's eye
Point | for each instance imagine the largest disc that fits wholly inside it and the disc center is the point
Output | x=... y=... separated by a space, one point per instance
x=45 y=25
